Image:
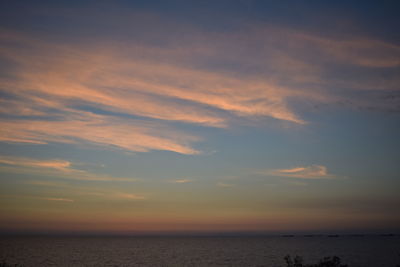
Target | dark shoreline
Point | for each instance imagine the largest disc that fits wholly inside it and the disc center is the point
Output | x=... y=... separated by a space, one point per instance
x=213 y=235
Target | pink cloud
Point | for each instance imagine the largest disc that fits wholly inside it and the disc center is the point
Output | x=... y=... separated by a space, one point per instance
x=53 y=168
x=169 y=84
x=306 y=172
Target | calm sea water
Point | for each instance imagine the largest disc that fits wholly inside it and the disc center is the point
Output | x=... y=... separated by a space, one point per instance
x=356 y=251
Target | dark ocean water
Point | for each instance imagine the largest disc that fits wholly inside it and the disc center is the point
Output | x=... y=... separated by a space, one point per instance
x=356 y=251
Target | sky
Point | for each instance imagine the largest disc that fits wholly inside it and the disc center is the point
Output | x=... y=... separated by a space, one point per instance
x=199 y=116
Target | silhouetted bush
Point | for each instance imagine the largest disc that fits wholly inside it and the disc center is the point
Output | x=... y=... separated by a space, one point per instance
x=5 y=264
x=325 y=262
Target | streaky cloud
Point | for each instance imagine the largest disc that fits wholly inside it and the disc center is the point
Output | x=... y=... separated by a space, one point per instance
x=220 y=184
x=181 y=181
x=304 y=172
x=61 y=165
x=130 y=135
x=109 y=194
x=128 y=196
x=176 y=83
x=57 y=199
x=53 y=168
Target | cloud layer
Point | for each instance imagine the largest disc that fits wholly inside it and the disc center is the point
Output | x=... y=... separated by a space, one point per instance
x=125 y=94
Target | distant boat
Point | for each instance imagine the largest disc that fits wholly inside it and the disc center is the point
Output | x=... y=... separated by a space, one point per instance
x=333 y=235
x=387 y=234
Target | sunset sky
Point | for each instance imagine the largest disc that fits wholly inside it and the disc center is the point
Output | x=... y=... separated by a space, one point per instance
x=199 y=116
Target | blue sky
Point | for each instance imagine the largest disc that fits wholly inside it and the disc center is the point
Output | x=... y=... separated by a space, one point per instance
x=143 y=116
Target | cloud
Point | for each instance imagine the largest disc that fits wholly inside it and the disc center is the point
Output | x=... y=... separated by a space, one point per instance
x=57 y=168
x=128 y=196
x=307 y=172
x=56 y=199
x=46 y=183
x=220 y=184
x=128 y=134
x=60 y=165
x=90 y=191
x=111 y=94
x=142 y=85
x=107 y=194
x=181 y=181
x=359 y=50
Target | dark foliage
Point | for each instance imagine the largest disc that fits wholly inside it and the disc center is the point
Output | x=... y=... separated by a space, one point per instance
x=5 y=264
x=297 y=261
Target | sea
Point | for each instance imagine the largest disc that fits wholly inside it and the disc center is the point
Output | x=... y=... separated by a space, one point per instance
x=353 y=250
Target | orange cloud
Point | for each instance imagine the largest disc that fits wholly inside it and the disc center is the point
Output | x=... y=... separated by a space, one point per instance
x=57 y=199
x=39 y=198
x=181 y=181
x=59 y=78
x=170 y=84
x=128 y=196
x=220 y=184
x=58 y=168
x=60 y=165
x=131 y=135
x=141 y=85
x=108 y=194
x=308 y=172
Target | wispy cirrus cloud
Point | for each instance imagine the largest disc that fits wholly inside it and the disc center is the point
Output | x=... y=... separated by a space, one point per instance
x=305 y=172
x=109 y=195
x=46 y=183
x=362 y=52
x=57 y=199
x=221 y=184
x=200 y=80
x=90 y=191
x=141 y=88
x=128 y=196
x=129 y=134
x=181 y=181
x=56 y=167
x=142 y=85
x=61 y=165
